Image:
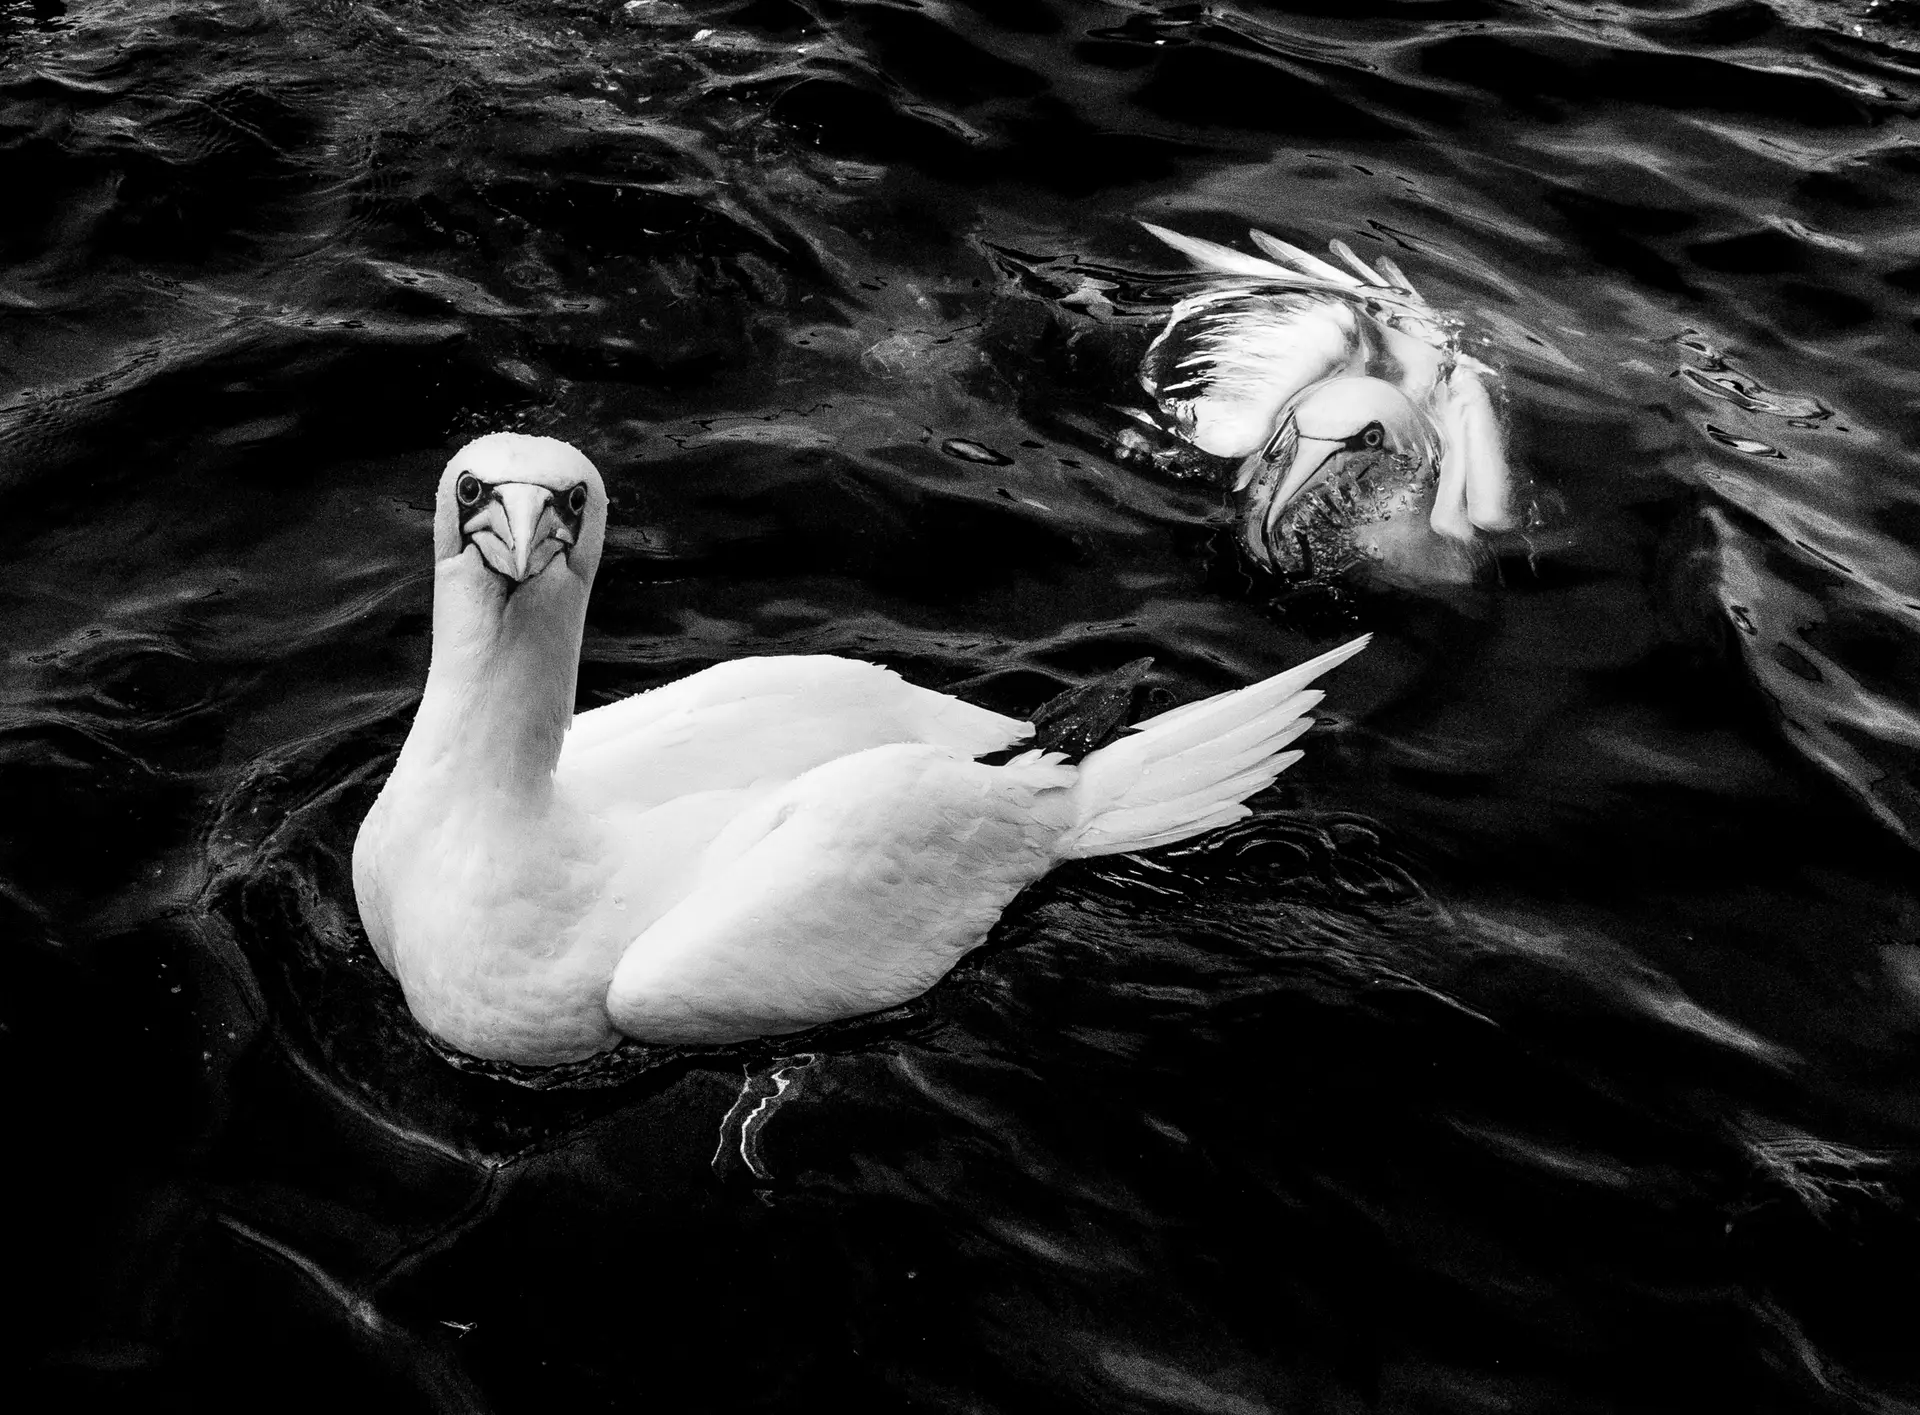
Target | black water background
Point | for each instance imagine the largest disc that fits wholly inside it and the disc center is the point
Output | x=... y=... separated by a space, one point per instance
x=1548 y=1042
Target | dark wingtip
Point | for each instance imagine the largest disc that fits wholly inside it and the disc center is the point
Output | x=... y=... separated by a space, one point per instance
x=1084 y=719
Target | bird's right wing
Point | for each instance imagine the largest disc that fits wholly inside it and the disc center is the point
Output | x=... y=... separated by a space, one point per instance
x=758 y=721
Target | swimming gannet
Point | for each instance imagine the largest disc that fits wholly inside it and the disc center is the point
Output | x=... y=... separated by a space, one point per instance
x=1342 y=393
x=766 y=845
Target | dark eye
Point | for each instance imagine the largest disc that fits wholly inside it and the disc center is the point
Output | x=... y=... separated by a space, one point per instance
x=1373 y=437
x=577 y=500
x=467 y=489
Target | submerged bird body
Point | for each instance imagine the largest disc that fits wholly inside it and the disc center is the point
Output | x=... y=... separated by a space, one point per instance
x=1330 y=380
x=761 y=847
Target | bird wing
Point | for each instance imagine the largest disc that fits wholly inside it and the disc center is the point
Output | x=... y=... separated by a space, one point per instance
x=1476 y=485
x=1382 y=275
x=1229 y=360
x=758 y=720
x=1288 y=264
x=853 y=889
x=1225 y=260
x=1291 y=256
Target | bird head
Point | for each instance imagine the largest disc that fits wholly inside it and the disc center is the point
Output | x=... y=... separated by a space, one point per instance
x=1347 y=456
x=521 y=509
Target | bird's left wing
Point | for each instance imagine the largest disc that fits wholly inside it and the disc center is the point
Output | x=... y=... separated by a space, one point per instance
x=853 y=889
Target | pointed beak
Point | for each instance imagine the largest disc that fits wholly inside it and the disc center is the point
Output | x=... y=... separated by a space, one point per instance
x=1309 y=456
x=1274 y=476
x=518 y=532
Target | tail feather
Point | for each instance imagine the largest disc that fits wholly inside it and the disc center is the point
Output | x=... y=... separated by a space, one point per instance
x=1190 y=769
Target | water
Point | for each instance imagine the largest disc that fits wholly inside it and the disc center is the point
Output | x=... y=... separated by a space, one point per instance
x=1548 y=1041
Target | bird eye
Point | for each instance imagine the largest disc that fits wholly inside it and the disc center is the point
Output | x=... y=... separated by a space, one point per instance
x=577 y=500
x=1373 y=436
x=467 y=489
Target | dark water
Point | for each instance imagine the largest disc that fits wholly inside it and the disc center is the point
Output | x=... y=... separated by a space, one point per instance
x=1549 y=1041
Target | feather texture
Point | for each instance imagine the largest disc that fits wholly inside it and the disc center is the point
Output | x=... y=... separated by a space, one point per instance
x=763 y=846
x=1230 y=361
x=1237 y=359
x=1191 y=769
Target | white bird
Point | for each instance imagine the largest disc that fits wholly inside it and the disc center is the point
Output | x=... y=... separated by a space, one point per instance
x=764 y=846
x=1326 y=382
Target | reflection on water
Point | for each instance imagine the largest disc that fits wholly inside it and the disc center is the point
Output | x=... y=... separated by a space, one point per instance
x=1547 y=1040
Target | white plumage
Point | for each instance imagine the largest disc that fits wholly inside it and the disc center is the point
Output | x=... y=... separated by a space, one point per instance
x=1292 y=353
x=761 y=847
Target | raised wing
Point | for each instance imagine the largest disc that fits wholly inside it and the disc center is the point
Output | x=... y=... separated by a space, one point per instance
x=1233 y=356
x=1383 y=274
x=756 y=721
x=1229 y=360
x=1287 y=264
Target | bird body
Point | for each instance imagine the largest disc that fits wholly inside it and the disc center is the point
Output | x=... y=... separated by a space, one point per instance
x=1274 y=343
x=758 y=848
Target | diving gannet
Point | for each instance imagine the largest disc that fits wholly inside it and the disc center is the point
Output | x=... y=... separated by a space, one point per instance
x=1342 y=393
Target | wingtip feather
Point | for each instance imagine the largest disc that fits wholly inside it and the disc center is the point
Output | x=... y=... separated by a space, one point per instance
x=1211 y=255
x=1181 y=769
x=1304 y=261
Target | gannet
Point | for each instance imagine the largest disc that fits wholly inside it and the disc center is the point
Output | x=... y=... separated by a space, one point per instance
x=1343 y=395
x=763 y=846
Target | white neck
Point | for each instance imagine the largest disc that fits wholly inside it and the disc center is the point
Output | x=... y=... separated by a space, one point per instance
x=500 y=690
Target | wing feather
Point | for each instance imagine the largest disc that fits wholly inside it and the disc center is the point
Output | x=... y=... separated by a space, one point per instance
x=1304 y=261
x=1230 y=360
x=757 y=720
x=1366 y=273
x=1224 y=260
x=854 y=889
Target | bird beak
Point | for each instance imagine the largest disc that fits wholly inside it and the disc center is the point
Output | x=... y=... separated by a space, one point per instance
x=518 y=532
x=1310 y=454
x=1276 y=474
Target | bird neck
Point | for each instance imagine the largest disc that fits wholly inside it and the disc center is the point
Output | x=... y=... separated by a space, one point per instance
x=500 y=688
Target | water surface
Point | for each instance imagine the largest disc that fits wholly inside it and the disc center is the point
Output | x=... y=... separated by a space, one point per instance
x=1549 y=1040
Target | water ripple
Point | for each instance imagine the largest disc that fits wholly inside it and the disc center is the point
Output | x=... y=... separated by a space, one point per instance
x=1545 y=1040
